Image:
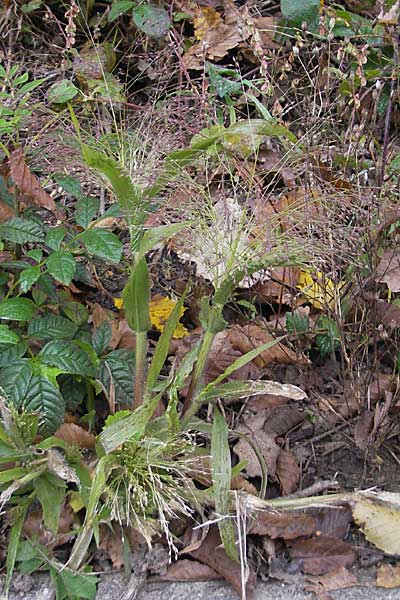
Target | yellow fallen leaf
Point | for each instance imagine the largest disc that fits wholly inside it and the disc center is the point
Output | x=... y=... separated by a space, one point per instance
x=160 y=309
x=319 y=290
x=118 y=303
x=205 y=18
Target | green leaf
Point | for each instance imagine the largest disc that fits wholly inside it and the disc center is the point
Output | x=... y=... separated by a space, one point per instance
x=221 y=477
x=297 y=323
x=12 y=353
x=36 y=254
x=86 y=210
x=21 y=231
x=155 y=235
x=136 y=296
x=15 y=380
x=78 y=585
x=298 y=12
x=69 y=184
x=17 y=309
x=7 y=336
x=131 y=427
x=327 y=342
x=13 y=541
x=68 y=357
x=50 y=491
x=61 y=265
x=76 y=312
x=117 y=369
x=102 y=243
x=102 y=337
x=129 y=196
x=51 y=327
x=118 y=8
x=28 y=277
x=44 y=398
x=62 y=91
x=55 y=236
x=72 y=391
x=152 y=19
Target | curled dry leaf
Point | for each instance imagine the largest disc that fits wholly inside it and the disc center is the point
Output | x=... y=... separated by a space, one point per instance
x=187 y=570
x=74 y=435
x=286 y=525
x=27 y=183
x=212 y=554
x=388 y=576
x=336 y=580
x=320 y=555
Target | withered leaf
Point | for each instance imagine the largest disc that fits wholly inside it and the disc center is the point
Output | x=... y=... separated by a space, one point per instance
x=27 y=183
x=249 y=337
x=331 y=521
x=111 y=543
x=6 y=212
x=363 y=429
x=287 y=472
x=74 y=435
x=320 y=555
x=212 y=554
x=286 y=525
x=388 y=270
x=269 y=449
x=388 y=576
x=282 y=419
x=187 y=570
x=336 y=580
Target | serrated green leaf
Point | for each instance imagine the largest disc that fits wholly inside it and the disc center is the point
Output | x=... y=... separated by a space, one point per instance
x=102 y=243
x=61 y=265
x=51 y=327
x=21 y=231
x=7 y=336
x=118 y=8
x=86 y=211
x=69 y=184
x=221 y=477
x=101 y=337
x=68 y=357
x=297 y=323
x=50 y=491
x=118 y=369
x=44 y=398
x=17 y=309
x=55 y=236
x=28 y=277
x=15 y=380
x=152 y=19
x=62 y=91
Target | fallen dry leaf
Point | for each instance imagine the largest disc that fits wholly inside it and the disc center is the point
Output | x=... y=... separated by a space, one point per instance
x=287 y=472
x=286 y=525
x=388 y=576
x=282 y=419
x=248 y=337
x=74 y=435
x=269 y=449
x=388 y=270
x=319 y=555
x=381 y=384
x=363 y=430
x=6 y=212
x=336 y=580
x=212 y=554
x=333 y=521
x=111 y=543
x=187 y=570
x=378 y=516
x=27 y=183
x=33 y=527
